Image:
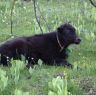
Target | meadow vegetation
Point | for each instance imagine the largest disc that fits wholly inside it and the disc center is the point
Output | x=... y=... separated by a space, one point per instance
x=81 y=80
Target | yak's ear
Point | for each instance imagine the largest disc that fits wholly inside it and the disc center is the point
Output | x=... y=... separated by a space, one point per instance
x=60 y=29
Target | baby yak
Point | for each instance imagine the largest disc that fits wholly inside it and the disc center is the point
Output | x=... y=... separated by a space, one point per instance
x=49 y=47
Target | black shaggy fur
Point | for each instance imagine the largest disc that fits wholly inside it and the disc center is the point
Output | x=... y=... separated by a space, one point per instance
x=49 y=47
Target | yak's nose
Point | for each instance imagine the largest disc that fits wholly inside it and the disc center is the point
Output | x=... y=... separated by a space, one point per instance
x=78 y=40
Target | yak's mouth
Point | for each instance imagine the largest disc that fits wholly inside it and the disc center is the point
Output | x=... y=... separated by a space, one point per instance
x=77 y=41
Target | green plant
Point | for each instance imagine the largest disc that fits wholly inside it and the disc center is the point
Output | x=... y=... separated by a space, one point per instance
x=90 y=36
x=58 y=86
x=19 y=92
x=17 y=66
x=3 y=79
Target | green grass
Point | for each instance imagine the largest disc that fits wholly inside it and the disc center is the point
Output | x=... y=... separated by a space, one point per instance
x=82 y=79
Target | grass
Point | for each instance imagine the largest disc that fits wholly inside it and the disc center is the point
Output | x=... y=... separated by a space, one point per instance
x=82 y=79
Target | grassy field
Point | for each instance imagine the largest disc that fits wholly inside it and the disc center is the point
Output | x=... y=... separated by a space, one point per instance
x=81 y=80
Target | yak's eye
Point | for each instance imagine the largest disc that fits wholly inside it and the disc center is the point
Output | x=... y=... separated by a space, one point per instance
x=72 y=31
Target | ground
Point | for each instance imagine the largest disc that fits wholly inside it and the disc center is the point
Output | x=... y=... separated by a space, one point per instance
x=82 y=79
